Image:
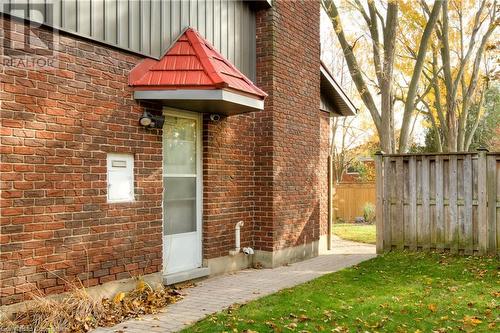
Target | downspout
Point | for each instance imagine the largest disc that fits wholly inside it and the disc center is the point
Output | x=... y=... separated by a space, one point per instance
x=330 y=184
x=237 y=229
x=330 y=203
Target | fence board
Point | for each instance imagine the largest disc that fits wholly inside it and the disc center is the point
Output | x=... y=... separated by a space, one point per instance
x=439 y=221
x=452 y=204
x=498 y=203
x=350 y=198
x=460 y=202
x=444 y=201
x=398 y=228
x=492 y=200
x=387 y=204
x=412 y=236
x=467 y=226
x=380 y=201
x=426 y=215
x=482 y=209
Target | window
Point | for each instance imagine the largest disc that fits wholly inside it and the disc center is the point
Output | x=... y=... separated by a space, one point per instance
x=352 y=170
x=120 y=177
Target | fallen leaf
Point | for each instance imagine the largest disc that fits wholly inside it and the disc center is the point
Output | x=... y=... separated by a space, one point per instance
x=472 y=320
x=304 y=318
x=119 y=297
x=141 y=285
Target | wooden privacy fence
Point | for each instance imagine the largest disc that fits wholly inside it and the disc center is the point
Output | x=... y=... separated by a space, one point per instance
x=350 y=198
x=442 y=201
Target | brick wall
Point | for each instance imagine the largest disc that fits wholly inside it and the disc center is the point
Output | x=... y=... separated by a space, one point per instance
x=56 y=127
x=288 y=149
x=228 y=183
x=265 y=168
x=323 y=171
x=263 y=226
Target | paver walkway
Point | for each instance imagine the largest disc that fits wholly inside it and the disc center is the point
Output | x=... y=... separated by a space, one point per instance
x=217 y=293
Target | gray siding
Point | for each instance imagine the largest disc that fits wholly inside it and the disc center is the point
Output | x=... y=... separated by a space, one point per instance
x=149 y=26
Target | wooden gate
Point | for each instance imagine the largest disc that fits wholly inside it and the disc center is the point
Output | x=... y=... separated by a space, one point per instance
x=439 y=201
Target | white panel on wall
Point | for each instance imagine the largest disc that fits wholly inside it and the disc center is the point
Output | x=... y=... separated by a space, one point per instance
x=120 y=169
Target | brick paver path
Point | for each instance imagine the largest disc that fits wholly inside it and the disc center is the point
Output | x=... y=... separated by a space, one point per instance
x=217 y=293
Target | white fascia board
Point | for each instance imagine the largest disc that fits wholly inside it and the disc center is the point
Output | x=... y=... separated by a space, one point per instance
x=207 y=95
x=340 y=93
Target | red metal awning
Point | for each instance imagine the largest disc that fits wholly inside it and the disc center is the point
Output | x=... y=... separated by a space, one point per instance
x=192 y=75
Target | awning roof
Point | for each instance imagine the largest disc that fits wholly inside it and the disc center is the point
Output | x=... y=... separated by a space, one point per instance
x=333 y=97
x=192 y=75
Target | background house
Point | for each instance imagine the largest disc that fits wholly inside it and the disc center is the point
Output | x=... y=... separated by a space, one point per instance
x=362 y=170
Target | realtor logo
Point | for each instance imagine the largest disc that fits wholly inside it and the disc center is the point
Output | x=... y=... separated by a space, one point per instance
x=26 y=44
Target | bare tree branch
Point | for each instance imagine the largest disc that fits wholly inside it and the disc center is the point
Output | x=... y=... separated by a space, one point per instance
x=362 y=10
x=464 y=61
x=375 y=40
x=436 y=133
x=473 y=130
x=352 y=63
x=474 y=78
x=437 y=96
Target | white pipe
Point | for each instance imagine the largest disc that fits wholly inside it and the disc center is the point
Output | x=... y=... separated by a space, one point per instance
x=237 y=235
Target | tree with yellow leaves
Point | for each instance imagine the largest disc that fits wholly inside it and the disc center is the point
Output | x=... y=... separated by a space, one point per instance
x=459 y=71
x=427 y=57
x=382 y=24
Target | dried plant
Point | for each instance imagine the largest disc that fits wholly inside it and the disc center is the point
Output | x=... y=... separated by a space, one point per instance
x=78 y=311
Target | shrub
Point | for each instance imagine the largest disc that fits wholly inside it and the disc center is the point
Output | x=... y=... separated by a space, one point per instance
x=369 y=212
x=340 y=220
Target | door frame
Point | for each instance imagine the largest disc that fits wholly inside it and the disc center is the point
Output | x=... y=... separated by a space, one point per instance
x=198 y=117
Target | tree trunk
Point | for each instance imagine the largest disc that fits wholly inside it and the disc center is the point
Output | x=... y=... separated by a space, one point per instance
x=386 y=88
x=419 y=64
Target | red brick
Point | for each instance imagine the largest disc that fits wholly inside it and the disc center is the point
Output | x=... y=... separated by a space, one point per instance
x=58 y=152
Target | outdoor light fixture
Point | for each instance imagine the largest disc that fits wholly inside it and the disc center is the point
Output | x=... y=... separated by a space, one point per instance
x=215 y=117
x=151 y=121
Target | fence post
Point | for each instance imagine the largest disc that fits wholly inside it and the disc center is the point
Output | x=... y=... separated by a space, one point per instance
x=379 y=209
x=482 y=209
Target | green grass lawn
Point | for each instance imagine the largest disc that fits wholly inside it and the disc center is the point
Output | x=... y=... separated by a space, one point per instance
x=364 y=233
x=396 y=292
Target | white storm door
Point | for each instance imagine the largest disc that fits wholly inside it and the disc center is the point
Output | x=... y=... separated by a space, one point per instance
x=181 y=192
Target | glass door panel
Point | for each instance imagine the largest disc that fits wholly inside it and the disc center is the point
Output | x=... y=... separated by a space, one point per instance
x=180 y=205
x=180 y=146
x=181 y=192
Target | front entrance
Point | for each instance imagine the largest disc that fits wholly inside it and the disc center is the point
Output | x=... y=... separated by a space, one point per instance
x=182 y=204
